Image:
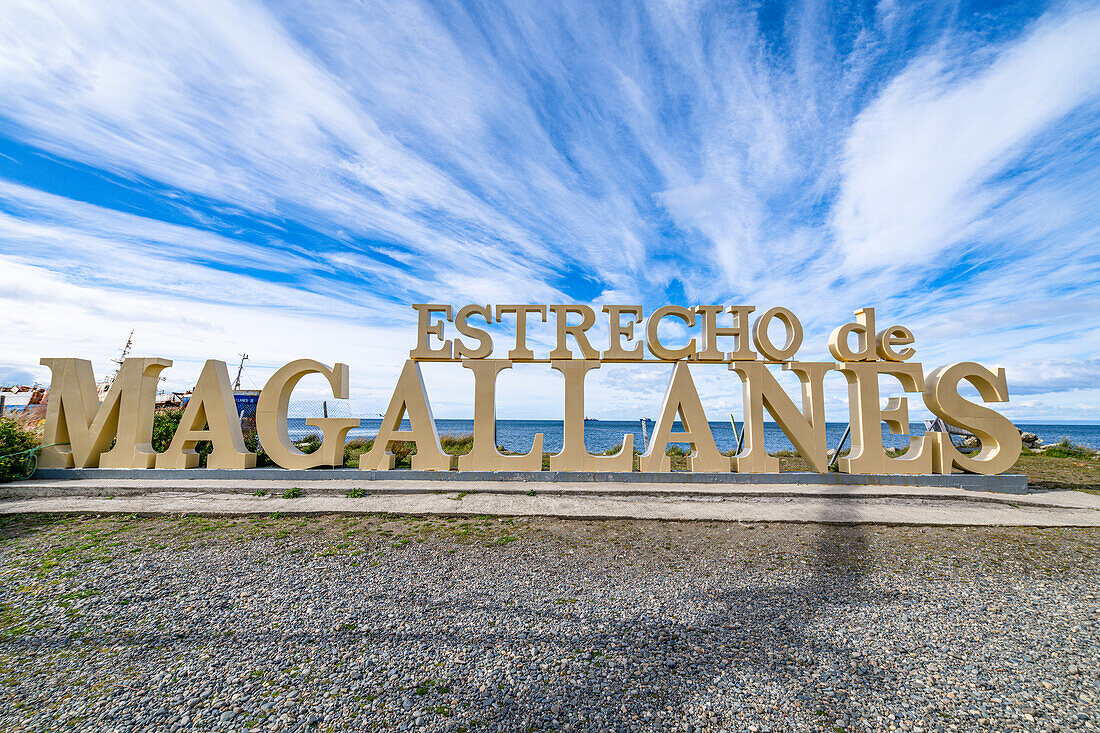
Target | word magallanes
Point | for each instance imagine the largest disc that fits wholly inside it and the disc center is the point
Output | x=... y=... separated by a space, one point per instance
x=85 y=428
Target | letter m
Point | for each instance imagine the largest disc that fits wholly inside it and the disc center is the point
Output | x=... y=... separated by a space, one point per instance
x=84 y=428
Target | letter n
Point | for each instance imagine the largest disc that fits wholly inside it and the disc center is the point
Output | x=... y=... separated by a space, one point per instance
x=805 y=429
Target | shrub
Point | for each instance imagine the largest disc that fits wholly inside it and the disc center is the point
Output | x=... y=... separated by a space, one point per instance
x=457 y=445
x=292 y=493
x=166 y=422
x=355 y=448
x=403 y=451
x=14 y=439
x=252 y=443
x=1066 y=449
x=309 y=444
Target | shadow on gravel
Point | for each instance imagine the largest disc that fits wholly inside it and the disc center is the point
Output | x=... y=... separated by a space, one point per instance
x=757 y=642
x=20 y=525
x=770 y=648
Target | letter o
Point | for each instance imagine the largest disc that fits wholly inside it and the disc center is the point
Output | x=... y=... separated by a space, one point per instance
x=764 y=343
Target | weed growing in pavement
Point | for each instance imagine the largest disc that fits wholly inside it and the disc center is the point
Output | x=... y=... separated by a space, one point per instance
x=292 y=493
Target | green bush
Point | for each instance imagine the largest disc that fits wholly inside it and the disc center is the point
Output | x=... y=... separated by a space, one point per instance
x=355 y=448
x=14 y=439
x=252 y=443
x=166 y=422
x=1066 y=449
x=457 y=445
x=403 y=451
x=309 y=444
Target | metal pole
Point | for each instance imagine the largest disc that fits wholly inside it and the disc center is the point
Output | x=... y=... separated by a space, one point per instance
x=645 y=440
x=843 y=439
x=324 y=407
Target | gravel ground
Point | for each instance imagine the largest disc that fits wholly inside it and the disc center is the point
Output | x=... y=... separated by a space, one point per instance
x=346 y=623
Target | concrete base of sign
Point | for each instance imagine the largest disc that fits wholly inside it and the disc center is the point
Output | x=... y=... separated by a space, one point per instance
x=1003 y=483
x=588 y=500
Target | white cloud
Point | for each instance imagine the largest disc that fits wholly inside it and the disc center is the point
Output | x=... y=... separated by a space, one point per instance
x=919 y=163
x=541 y=151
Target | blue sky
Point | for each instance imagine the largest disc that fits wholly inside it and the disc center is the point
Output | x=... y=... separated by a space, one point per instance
x=231 y=176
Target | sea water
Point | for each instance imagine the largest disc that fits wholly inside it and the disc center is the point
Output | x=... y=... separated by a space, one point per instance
x=600 y=435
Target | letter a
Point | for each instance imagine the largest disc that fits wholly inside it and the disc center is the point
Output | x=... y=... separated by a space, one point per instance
x=211 y=414
x=682 y=399
x=411 y=397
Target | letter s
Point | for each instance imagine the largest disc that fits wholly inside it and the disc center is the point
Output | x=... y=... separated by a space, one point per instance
x=1000 y=439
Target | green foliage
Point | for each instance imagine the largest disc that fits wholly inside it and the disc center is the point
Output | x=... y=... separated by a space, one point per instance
x=252 y=443
x=355 y=448
x=1066 y=449
x=292 y=493
x=14 y=439
x=310 y=444
x=403 y=451
x=457 y=445
x=164 y=427
x=356 y=493
x=166 y=422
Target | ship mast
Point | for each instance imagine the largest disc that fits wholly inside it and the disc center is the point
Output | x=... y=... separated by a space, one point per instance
x=237 y=381
x=108 y=381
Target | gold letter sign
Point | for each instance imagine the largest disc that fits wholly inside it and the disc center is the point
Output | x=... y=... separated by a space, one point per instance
x=80 y=427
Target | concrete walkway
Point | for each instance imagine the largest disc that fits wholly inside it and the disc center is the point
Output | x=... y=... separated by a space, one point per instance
x=605 y=500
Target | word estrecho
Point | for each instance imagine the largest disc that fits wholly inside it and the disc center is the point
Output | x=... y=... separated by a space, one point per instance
x=85 y=428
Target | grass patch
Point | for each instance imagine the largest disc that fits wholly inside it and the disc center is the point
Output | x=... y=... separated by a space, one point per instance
x=1065 y=449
